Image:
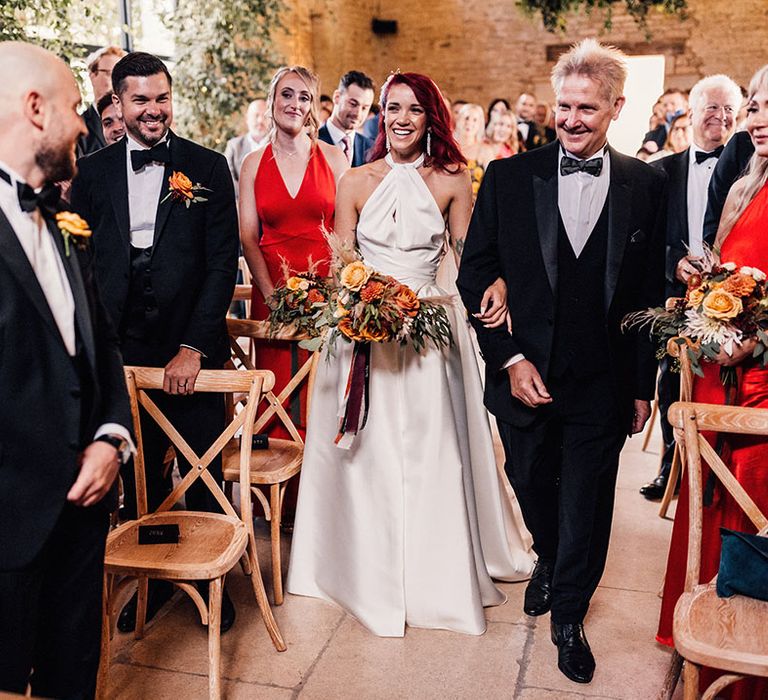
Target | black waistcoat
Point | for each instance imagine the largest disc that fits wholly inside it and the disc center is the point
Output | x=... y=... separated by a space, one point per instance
x=580 y=340
x=140 y=320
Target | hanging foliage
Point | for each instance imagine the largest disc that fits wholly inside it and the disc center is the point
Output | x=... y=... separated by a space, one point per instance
x=224 y=59
x=553 y=11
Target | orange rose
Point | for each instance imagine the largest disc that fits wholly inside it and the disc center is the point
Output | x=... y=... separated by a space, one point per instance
x=371 y=291
x=721 y=305
x=739 y=285
x=695 y=296
x=294 y=283
x=373 y=334
x=355 y=275
x=347 y=328
x=72 y=224
x=407 y=300
x=315 y=297
x=181 y=184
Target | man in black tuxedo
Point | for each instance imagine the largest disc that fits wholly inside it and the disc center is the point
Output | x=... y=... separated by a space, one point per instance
x=577 y=232
x=351 y=103
x=100 y=64
x=65 y=418
x=166 y=264
x=714 y=103
x=531 y=133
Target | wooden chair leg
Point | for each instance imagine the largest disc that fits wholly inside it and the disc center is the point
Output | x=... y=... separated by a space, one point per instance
x=141 y=606
x=102 y=679
x=261 y=598
x=214 y=638
x=674 y=475
x=690 y=681
x=277 y=567
x=651 y=421
x=672 y=677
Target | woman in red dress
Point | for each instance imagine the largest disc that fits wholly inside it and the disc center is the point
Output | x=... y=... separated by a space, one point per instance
x=742 y=240
x=287 y=198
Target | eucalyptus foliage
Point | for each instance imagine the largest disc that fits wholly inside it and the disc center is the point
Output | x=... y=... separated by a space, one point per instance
x=224 y=59
x=553 y=11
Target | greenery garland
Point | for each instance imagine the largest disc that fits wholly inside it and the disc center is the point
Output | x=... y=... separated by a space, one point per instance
x=553 y=11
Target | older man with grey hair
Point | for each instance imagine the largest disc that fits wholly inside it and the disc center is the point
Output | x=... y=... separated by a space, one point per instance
x=576 y=230
x=714 y=103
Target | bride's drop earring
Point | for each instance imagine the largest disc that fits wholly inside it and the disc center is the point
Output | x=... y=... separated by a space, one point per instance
x=429 y=141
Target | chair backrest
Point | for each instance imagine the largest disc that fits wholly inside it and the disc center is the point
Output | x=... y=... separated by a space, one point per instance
x=692 y=419
x=260 y=331
x=254 y=383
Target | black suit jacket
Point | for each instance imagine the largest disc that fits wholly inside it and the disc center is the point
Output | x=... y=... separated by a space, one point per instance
x=94 y=140
x=513 y=234
x=730 y=167
x=658 y=136
x=50 y=405
x=194 y=255
x=361 y=148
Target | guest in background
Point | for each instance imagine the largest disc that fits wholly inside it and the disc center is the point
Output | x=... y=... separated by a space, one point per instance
x=544 y=120
x=502 y=133
x=352 y=101
x=65 y=417
x=673 y=103
x=112 y=124
x=371 y=126
x=741 y=240
x=470 y=135
x=100 y=64
x=497 y=106
x=240 y=146
x=325 y=109
x=167 y=272
x=456 y=106
x=678 y=138
x=287 y=199
x=714 y=103
x=531 y=134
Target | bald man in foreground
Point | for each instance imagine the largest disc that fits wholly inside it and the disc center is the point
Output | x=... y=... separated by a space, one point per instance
x=64 y=413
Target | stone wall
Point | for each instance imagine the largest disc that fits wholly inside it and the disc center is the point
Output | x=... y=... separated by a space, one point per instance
x=479 y=49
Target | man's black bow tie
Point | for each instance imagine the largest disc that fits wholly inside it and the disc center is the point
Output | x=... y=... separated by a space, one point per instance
x=157 y=154
x=569 y=165
x=701 y=156
x=29 y=200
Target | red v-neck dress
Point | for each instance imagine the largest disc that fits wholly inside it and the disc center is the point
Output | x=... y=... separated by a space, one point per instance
x=291 y=230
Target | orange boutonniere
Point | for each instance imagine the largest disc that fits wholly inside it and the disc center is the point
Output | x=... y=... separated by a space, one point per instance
x=182 y=190
x=74 y=228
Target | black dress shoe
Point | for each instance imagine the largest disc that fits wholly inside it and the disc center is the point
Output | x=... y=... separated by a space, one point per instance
x=227 y=608
x=159 y=594
x=654 y=490
x=574 y=657
x=538 y=592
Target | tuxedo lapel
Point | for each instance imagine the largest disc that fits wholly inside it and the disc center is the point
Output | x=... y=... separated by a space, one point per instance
x=678 y=193
x=545 y=204
x=165 y=203
x=82 y=311
x=116 y=176
x=17 y=262
x=619 y=202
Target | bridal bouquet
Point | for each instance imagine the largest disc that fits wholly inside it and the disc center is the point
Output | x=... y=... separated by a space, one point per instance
x=723 y=305
x=299 y=301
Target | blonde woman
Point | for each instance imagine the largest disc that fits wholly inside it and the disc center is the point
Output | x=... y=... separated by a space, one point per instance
x=502 y=134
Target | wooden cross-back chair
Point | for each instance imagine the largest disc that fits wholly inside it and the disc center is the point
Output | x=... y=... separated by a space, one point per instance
x=283 y=458
x=729 y=634
x=210 y=544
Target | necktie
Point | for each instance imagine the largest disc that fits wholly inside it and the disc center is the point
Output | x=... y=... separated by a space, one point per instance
x=157 y=154
x=345 y=146
x=29 y=200
x=568 y=166
x=701 y=156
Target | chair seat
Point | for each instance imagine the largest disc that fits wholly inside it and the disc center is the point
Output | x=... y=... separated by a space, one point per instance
x=271 y=466
x=728 y=633
x=210 y=544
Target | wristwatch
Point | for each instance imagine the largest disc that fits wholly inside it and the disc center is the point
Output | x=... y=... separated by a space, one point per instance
x=119 y=443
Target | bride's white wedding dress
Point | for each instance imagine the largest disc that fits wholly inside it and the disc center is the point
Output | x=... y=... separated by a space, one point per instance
x=409 y=525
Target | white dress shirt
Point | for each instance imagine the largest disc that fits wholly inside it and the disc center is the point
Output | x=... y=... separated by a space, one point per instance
x=46 y=262
x=580 y=200
x=523 y=127
x=337 y=134
x=699 y=175
x=144 y=187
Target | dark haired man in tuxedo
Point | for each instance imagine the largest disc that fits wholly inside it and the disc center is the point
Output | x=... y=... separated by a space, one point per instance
x=100 y=64
x=351 y=103
x=111 y=124
x=65 y=416
x=167 y=267
x=576 y=231
x=714 y=102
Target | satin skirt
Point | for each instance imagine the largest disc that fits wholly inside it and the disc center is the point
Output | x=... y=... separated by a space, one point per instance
x=411 y=523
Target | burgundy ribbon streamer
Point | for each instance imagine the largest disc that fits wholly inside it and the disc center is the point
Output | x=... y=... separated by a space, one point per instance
x=355 y=396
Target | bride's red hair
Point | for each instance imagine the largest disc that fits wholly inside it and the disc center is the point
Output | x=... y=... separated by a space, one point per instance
x=445 y=150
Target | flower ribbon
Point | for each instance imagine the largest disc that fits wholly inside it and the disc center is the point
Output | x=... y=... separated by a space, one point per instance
x=354 y=408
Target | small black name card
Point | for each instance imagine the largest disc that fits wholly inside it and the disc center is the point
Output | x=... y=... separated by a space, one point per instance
x=260 y=441
x=165 y=533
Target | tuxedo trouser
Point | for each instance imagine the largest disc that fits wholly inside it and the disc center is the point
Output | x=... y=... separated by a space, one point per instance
x=669 y=392
x=563 y=470
x=50 y=610
x=199 y=419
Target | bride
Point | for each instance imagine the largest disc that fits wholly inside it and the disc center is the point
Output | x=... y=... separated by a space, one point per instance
x=410 y=524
